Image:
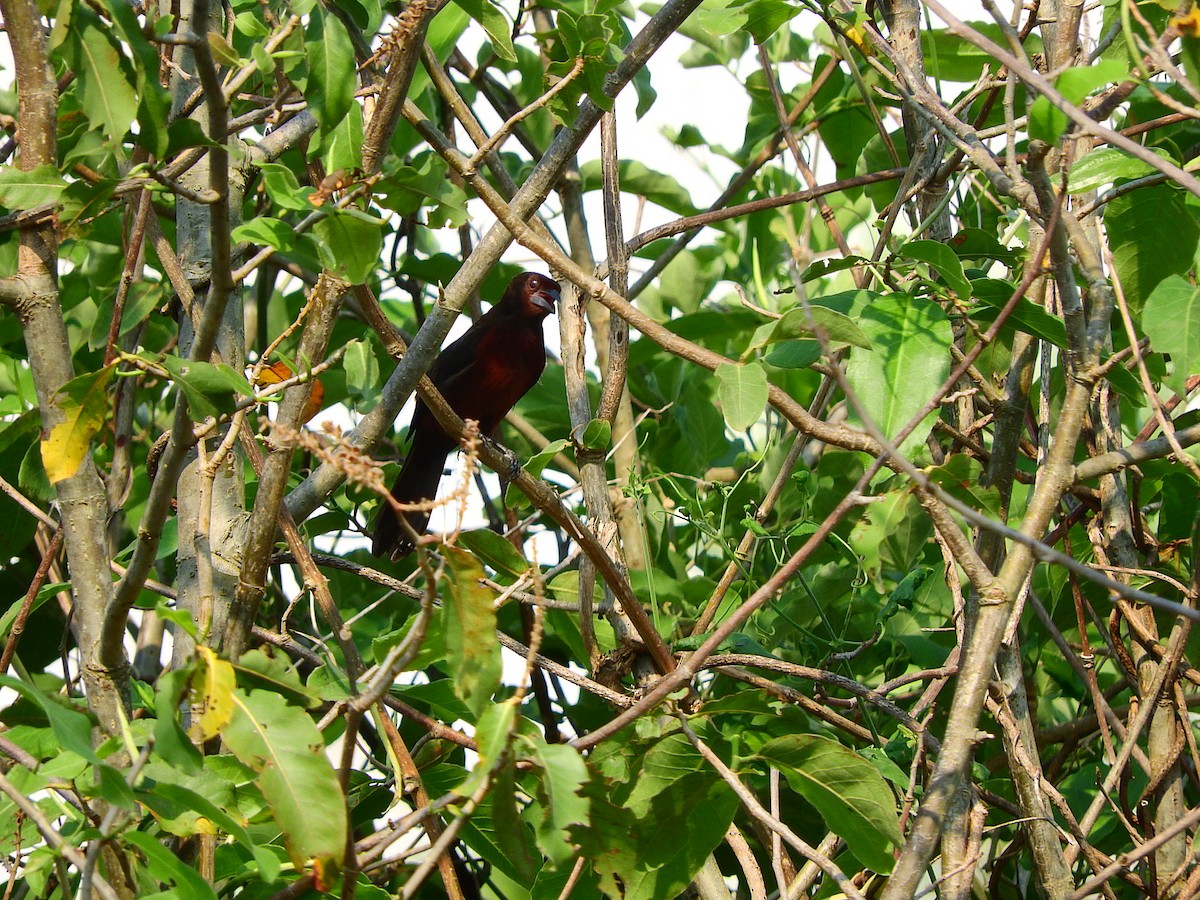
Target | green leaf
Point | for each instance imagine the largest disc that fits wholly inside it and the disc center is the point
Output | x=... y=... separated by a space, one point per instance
x=951 y=58
x=943 y=260
x=506 y=829
x=183 y=134
x=823 y=268
x=1026 y=315
x=180 y=618
x=223 y=51
x=251 y=25
x=32 y=477
x=597 y=435
x=538 y=462
x=1046 y=121
x=1153 y=234
x=106 y=91
x=282 y=745
x=638 y=178
x=911 y=359
x=469 y=625
x=431 y=652
x=276 y=674
x=1172 y=322
x=960 y=477
x=26 y=190
x=666 y=762
x=264 y=60
x=366 y=14
x=793 y=354
x=742 y=391
x=646 y=95
x=892 y=534
x=439 y=698
x=765 y=17
x=152 y=792
x=1105 y=166
x=982 y=247
x=267 y=232
x=72 y=728
x=759 y=18
x=1079 y=81
x=331 y=84
x=444 y=33
x=341 y=147
x=83 y=402
x=19 y=829
x=493 y=550
x=904 y=593
x=112 y=787
x=494 y=23
x=154 y=102
x=45 y=593
x=362 y=370
x=170 y=742
x=350 y=243
x=562 y=805
x=591 y=37
x=143 y=298
x=210 y=390
x=635 y=856
x=283 y=187
x=803 y=322
x=168 y=868
x=424 y=185
x=493 y=736
x=846 y=790
x=720 y=17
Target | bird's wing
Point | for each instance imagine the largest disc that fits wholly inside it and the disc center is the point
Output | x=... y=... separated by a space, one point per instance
x=453 y=365
x=457 y=358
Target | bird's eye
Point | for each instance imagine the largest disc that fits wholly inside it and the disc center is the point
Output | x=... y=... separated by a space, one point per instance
x=535 y=283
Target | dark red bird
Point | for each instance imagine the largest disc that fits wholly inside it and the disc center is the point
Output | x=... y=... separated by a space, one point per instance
x=482 y=375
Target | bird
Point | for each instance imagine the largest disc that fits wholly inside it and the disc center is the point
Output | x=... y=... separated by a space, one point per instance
x=481 y=375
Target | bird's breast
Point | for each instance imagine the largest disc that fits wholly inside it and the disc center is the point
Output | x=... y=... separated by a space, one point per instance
x=507 y=364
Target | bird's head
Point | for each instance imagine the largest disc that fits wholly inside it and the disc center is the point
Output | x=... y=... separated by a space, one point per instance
x=533 y=294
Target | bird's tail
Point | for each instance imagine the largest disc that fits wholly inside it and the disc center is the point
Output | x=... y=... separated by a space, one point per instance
x=417 y=481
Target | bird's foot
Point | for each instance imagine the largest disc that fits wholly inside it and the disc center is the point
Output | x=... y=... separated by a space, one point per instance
x=512 y=463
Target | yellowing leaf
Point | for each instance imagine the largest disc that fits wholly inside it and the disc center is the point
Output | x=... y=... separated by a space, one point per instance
x=858 y=38
x=212 y=692
x=84 y=404
x=1189 y=24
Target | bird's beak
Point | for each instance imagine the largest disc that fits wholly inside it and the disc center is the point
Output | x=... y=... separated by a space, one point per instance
x=546 y=299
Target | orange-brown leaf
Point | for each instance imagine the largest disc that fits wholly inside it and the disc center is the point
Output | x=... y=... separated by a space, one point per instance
x=280 y=372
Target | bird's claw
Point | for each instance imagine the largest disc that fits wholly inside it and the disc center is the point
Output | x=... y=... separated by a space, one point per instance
x=511 y=466
x=514 y=464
